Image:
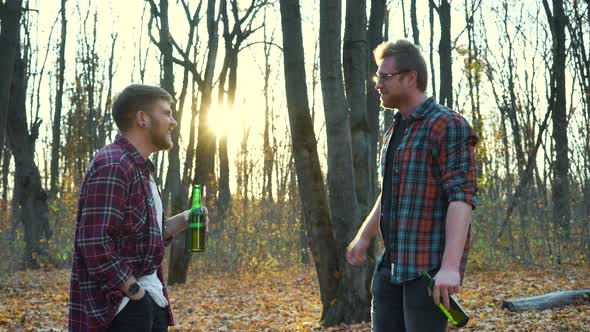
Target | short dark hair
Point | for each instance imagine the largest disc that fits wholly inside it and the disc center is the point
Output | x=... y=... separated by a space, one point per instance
x=134 y=98
x=407 y=57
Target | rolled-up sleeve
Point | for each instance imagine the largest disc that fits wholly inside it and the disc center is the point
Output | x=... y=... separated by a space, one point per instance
x=456 y=160
x=101 y=216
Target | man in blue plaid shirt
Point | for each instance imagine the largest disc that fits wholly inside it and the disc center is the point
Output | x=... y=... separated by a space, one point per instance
x=428 y=193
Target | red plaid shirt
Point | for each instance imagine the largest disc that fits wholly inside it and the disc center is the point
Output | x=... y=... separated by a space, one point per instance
x=433 y=166
x=117 y=235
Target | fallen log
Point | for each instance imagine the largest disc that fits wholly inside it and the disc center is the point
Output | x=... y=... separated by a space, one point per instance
x=547 y=301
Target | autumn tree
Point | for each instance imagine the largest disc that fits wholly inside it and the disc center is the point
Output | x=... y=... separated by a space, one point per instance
x=352 y=300
x=236 y=31
x=57 y=115
x=375 y=36
x=355 y=65
x=172 y=192
x=414 y=20
x=204 y=157
x=581 y=54
x=10 y=13
x=310 y=181
x=29 y=199
x=443 y=10
x=560 y=186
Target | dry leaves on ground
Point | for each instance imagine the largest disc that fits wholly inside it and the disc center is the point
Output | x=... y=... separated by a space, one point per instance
x=289 y=301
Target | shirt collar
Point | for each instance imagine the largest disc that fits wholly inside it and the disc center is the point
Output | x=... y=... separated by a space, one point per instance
x=124 y=143
x=421 y=111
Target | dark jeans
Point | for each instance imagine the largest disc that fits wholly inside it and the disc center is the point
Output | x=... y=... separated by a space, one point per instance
x=141 y=315
x=403 y=307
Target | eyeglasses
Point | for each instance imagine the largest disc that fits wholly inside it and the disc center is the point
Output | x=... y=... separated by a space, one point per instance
x=380 y=78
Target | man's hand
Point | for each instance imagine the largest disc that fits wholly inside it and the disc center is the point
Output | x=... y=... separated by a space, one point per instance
x=356 y=253
x=187 y=215
x=446 y=283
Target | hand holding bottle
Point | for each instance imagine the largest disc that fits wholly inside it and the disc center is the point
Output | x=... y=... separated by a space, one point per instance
x=196 y=236
x=446 y=283
x=455 y=314
x=187 y=215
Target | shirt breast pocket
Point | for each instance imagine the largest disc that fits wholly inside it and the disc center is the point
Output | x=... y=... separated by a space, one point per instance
x=420 y=152
x=139 y=216
x=415 y=161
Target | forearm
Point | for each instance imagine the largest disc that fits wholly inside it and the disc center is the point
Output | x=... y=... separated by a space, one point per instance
x=370 y=226
x=457 y=226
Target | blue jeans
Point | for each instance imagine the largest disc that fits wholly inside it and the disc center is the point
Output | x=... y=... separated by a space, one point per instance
x=403 y=307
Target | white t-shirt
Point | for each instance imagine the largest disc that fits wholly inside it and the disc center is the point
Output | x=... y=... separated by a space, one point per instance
x=151 y=283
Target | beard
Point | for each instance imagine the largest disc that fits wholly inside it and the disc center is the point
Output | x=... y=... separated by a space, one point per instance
x=161 y=140
x=392 y=100
x=389 y=102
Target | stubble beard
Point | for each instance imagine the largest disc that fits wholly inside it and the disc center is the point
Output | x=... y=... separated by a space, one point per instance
x=161 y=141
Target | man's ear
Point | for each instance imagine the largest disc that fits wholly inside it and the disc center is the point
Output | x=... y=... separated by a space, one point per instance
x=413 y=78
x=141 y=119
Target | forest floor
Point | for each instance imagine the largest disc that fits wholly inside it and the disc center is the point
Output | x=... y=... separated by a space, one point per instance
x=289 y=301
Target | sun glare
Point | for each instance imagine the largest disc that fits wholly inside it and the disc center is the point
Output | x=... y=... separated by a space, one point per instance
x=222 y=121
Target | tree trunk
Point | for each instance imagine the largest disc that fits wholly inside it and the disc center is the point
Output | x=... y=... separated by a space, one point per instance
x=355 y=73
x=172 y=189
x=267 y=148
x=30 y=200
x=522 y=199
x=444 y=52
x=56 y=140
x=172 y=192
x=10 y=13
x=6 y=156
x=582 y=59
x=414 y=19
x=547 y=301
x=224 y=199
x=309 y=176
x=206 y=140
x=205 y=152
x=90 y=68
x=403 y=4
x=234 y=37
x=560 y=187
x=353 y=296
x=374 y=37
x=108 y=121
x=224 y=202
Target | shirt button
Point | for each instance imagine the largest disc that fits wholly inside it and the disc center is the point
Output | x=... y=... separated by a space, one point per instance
x=396 y=170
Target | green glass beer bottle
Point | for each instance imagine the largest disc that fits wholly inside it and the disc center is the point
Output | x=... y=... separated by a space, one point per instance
x=196 y=233
x=456 y=315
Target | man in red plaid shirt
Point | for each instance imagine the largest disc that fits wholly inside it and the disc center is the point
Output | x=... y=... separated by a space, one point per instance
x=117 y=281
x=428 y=193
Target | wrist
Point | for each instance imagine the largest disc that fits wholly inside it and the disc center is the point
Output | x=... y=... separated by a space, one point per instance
x=133 y=289
x=449 y=266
